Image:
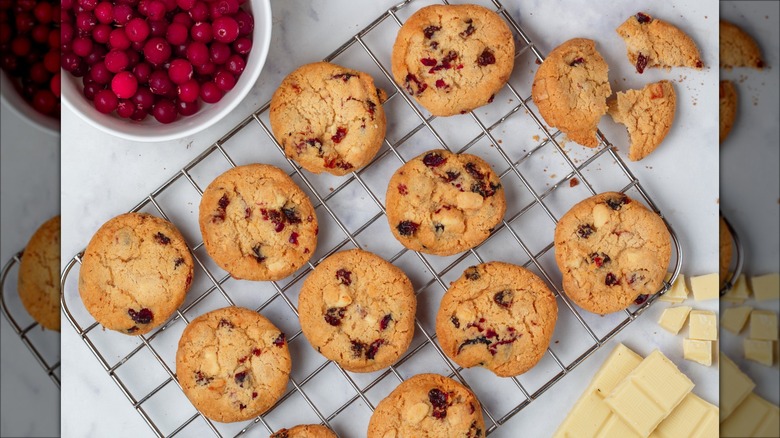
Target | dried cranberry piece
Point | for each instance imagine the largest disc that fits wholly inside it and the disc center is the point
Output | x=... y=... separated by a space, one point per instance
x=469 y=30
x=439 y=401
x=240 y=378
x=490 y=99
x=585 y=230
x=438 y=227
x=402 y=189
x=371 y=107
x=243 y=359
x=428 y=62
x=485 y=190
x=357 y=348
x=247 y=213
x=241 y=406
x=162 y=239
x=504 y=298
x=486 y=58
x=430 y=30
x=455 y=321
x=577 y=61
x=223 y=202
x=434 y=45
x=407 y=228
x=143 y=316
x=291 y=215
x=177 y=262
x=611 y=279
x=202 y=379
x=472 y=170
x=450 y=176
x=432 y=159
x=599 y=259
x=419 y=86
x=257 y=254
x=477 y=340
x=341 y=132
x=641 y=63
x=441 y=84
x=641 y=299
x=256 y=351
x=225 y=323
x=344 y=276
x=294 y=238
x=617 y=203
x=448 y=58
x=643 y=18
x=490 y=333
x=343 y=76
x=385 y=322
x=254 y=395
x=282 y=433
x=280 y=340
x=374 y=348
x=334 y=315
x=132 y=329
x=474 y=431
x=759 y=64
x=493 y=348
x=472 y=273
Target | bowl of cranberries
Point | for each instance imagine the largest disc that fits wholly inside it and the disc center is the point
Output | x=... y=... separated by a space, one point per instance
x=158 y=70
x=30 y=61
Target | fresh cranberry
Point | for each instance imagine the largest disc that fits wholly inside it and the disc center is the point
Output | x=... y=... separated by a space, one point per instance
x=197 y=53
x=160 y=83
x=219 y=53
x=176 y=34
x=124 y=85
x=91 y=90
x=43 y=12
x=242 y=45
x=206 y=70
x=246 y=23
x=117 y=60
x=202 y=32
x=180 y=71
x=143 y=98
x=44 y=101
x=185 y=5
x=224 y=80
x=101 y=33
x=157 y=51
x=189 y=91
x=165 y=111
x=225 y=29
x=104 y=12
x=55 y=84
x=184 y=19
x=39 y=74
x=125 y=109
x=210 y=93
x=199 y=11
x=142 y=71
x=106 y=101
x=236 y=64
x=118 y=40
x=21 y=46
x=100 y=73
x=137 y=30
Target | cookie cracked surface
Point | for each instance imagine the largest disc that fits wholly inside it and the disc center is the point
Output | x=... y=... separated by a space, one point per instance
x=328 y=118
x=652 y=43
x=257 y=224
x=428 y=406
x=498 y=316
x=232 y=363
x=647 y=113
x=39 y=275
x=358 y=310
x=611 y=249
x=453 y=58
x=443 y=203
x=135 y=273
x=571 y=88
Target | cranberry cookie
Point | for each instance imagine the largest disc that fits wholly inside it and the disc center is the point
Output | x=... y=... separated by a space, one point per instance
x=453 y=58
x=305 y=431
x=498 y=316
x=571 y=88
x=611 y=249
x=358 y=310
x=328 y=118
x=135 y=273
x=257 y=224
x=233 y=364
x=443 y=203
x=651 y=42
x=647 y=113
x=39 y=275
x=428 y=405
x=728 y=108
x=738 y=48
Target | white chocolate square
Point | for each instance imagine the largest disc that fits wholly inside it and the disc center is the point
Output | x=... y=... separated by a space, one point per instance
x=673 y=318
x=735 y=386
x=766 y=287
x=734 y=318
x=760 y=351
x=678 y=292
x=706 y=287
x=698 y=351
x=763 y=325
x=739 y=291
x=703 y=325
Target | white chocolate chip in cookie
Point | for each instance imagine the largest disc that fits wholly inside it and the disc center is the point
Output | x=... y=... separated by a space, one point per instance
x=469 y=200
x=600 y=215
x=416 y=413
x=390 y=434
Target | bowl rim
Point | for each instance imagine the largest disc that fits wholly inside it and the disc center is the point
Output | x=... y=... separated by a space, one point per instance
x=26 y=112
x=239 y=92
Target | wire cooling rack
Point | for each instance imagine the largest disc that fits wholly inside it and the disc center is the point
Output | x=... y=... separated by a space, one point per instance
x=737 y=258
x=542 y=180
x=43 y=344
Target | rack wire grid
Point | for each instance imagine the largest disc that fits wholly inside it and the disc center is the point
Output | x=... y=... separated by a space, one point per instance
x=350 y=215
x=43 y=344
x=737 y=258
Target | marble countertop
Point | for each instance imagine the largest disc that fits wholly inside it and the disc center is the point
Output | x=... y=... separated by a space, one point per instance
x=104 y=176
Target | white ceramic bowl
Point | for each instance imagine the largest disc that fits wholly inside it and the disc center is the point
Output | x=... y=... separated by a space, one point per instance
x=150 y=130
x=16 y=103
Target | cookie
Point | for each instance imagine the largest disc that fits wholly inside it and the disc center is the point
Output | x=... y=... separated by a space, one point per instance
x=257 y=224
x=358 y=310
x=652 y=43
x=233 y=364
x=428 y=405
x=738 y=48
x=611 y=249
x=647 y=113
x=571 y=88
x=498 y=316
x=453 y=58
x=39 y=275
x=328 y=118
x=443 y=203
x=728 y=108
x=135 y=273
x=305 y=431
x=725 y=249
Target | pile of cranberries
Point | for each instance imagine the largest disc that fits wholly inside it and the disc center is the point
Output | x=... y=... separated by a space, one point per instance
x=30 y=51
x=158 y=57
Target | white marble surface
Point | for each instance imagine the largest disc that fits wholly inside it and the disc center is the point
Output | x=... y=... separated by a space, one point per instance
x=103 y=177
x=750 y=170
x=29 y=195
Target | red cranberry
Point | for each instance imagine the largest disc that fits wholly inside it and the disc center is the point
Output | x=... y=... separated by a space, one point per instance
x=44 y=101
x=180 y=71
x=142 y=71
x=55 y=84
x=91 y=90
x=82 y=46
x=185 y=5
x=219 y=53
x=55 y=37
x=100 y=73
x=43 y=13
x=101 y=33
x=185 y=19
x=225 y=7
x=39 y=74
x=104 y=12
x=85 y=21
x=165 y=111
x=199 y=12
x=143 y=98
x=40 y=33
x=197 y=53
x=117 y=60
x=176 y=34
x=236 y=64
x=21 y=46
x=87 y=5
x=139 y=114
x=137 y=30
x=246 y=22
x=210 y=93
x=125 y=109
x=202 y=32
x=122 y=14
x=124 y=85
x=160 y=83
x=106 y=101
x=242 y=45
x=187 y=108
x=118 y=40
x=224 y=80
x=225 y=29
x=157 y=51
x=189 y=91
x=207 y=69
